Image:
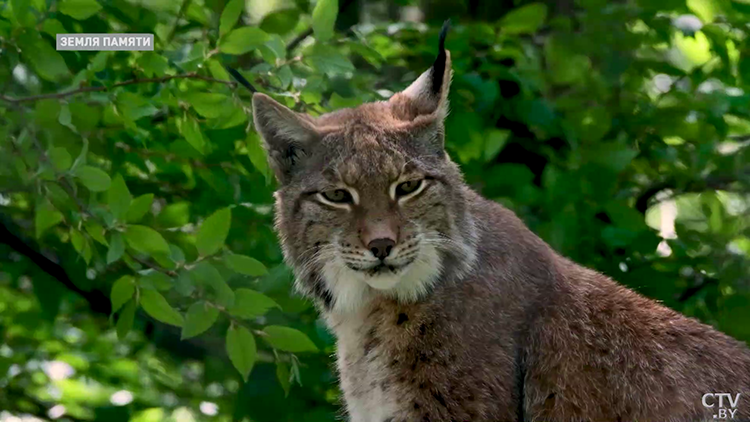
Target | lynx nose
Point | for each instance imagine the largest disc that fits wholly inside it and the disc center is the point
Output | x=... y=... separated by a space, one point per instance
x=381 y=247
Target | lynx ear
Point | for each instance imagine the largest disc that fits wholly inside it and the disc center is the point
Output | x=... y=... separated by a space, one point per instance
x=288 y=136
x=428 y=95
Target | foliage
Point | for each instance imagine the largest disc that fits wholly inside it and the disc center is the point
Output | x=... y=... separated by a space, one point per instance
x=140 y=277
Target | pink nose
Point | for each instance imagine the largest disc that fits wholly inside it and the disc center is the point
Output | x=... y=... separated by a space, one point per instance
x=381 y=248
x=379 y=235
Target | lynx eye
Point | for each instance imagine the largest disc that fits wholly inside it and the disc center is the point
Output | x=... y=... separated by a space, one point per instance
x=338 y=196
x=406 y=188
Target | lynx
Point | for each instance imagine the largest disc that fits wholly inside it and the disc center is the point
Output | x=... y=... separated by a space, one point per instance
x=446 y=307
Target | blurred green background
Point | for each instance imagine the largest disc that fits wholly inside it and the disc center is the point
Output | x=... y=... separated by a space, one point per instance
x=140 y=278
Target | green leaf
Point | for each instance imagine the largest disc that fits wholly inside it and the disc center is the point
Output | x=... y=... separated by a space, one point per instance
x=241 y=350
x=77 y=239
x=706 y=10
x=495 y=141
x=47 y=62
x=116 y=248
x=243 y=40
x=524 y=20
x=199 y=318
x=213 y=232
x=52 y=27
x=327 y=59
x=60 y=158
x=96 y=231
x=153 y=64
x=139 y=207
x=324 y=19
x=156 y=280
x=122 y=292
x=284 y=377
x=175 y=215
x=66 y=118
x=93 y=178
x=79 y=9
x=207 y=275
x=119 y=198
x=155 y=305
x=250 y=304
x=257 y=155
x=46 y=217
x=21 y=10
x=80 y=244
x=288 y=339
x=190 y=129
x=125 y=320
x=246 y=265
x=146 y=240
x=280 y=22
x=217 y=70
x=208 y=104
x=183 y=284
x=230 y=15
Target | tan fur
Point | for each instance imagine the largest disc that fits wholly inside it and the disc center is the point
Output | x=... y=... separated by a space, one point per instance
x=484 y=321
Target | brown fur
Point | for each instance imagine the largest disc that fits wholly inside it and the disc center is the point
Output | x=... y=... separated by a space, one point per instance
x=507 y=330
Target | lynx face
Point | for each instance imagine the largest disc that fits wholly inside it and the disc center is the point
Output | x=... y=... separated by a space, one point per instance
x=369 y=202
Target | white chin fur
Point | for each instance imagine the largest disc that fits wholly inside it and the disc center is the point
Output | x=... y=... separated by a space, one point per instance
x=383 y=281
x=351 y=289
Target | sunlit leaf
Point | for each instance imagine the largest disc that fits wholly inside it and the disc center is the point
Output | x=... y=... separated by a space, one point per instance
x=190 y=129
x=525 y=19
x=241 y=350
x=79 y=9
x=229 y=16
x=250 y=304
x=122 y=291
x=213 y=232
x=155 y=305
x=324 y=18
x=93 y=178
x=146 y=240
x=139 y=207
x=243 y=40
x=288 y=339
x=46 y=216
x=246 y=265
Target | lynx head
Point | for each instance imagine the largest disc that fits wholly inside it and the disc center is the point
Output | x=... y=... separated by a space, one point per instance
x=369 y=202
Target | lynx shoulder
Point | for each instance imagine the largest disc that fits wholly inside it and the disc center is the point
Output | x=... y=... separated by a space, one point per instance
x=446 y=307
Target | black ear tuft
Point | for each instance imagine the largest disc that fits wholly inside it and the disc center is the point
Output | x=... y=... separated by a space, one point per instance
x=438 y=68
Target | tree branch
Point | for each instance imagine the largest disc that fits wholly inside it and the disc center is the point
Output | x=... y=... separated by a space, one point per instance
x=298 y=39
x=191 y=75
x=97 y=300
x=711 y=182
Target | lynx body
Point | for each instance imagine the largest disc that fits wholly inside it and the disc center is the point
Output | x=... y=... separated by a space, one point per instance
x=446 y=307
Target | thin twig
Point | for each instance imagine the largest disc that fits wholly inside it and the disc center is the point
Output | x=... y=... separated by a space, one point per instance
x=298 y=39
x=191 y=75
x=183 y=8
